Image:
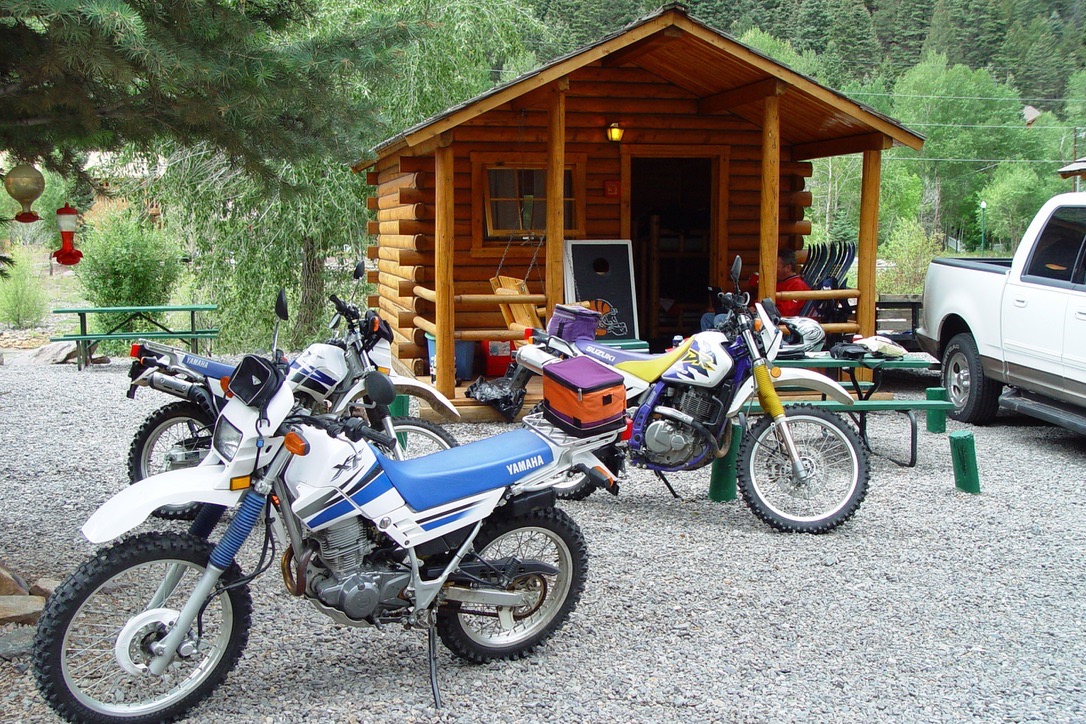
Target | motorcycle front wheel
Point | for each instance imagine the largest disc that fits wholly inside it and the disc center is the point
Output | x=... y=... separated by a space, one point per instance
x=836 y=464
x=93 y=642
x=480 y=633
x=172 y=437
x=416 y=437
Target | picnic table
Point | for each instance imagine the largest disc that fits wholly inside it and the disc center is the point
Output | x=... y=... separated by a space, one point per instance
x=86 y=340
x=935 y=405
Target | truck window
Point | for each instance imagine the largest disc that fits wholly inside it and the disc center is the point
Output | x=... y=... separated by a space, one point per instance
x=1057 y=255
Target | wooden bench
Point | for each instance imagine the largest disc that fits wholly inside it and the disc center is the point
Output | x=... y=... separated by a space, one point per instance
x=86 y=341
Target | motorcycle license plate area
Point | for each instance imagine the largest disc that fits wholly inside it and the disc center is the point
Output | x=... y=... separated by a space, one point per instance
x=582 y=397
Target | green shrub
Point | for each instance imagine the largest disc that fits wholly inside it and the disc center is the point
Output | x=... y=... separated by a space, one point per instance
x=23 y=302
x=126 y=262
x=907 y=254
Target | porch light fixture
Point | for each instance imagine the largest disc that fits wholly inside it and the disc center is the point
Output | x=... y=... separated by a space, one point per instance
x=614 y=133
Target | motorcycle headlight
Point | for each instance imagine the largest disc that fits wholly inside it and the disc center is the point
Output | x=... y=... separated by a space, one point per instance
x=227 y=439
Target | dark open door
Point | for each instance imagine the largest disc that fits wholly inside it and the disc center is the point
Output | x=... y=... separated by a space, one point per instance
x=671 y=210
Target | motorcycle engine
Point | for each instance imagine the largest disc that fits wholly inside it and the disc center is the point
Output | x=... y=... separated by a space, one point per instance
x=671 y=442
x=353 y=579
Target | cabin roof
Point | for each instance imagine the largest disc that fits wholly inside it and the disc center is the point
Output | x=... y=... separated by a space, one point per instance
x=1075 y=168
x=725 y=75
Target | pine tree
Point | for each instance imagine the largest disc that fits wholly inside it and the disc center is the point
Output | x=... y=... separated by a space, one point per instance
x=812 y=26
x=852 y=51
x=78 y=76
x=902 y=33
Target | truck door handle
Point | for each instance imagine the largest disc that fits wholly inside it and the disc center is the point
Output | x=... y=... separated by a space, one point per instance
x=1080 y=314
x=1019 y=302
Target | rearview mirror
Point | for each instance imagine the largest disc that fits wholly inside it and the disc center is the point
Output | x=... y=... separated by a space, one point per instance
x=281 y=304
x=737 y=268
x=360 y=270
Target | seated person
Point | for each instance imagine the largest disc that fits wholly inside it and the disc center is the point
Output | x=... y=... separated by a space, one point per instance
x=788 y=280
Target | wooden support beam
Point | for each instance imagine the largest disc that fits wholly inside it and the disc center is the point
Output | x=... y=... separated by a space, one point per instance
x=556 y=226
x=741 y=96
x=444 y=251
x=867 y=248
x=771 y=189
x=841 y=146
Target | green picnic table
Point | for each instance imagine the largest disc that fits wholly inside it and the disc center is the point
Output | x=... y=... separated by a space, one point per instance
x=935 y=405
x=86 y=340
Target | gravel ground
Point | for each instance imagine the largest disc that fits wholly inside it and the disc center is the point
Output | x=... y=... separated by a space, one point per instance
x=930 y=605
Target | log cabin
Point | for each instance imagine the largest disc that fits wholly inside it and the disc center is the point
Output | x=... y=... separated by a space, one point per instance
x=667 y=133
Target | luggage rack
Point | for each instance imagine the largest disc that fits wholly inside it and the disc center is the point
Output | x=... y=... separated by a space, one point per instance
x=562 y=438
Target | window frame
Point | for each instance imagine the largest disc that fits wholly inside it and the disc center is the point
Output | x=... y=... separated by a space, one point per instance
x=486 y=244
x=1075 y=270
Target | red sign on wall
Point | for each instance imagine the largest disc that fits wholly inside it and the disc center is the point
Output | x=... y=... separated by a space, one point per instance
x=611 y=188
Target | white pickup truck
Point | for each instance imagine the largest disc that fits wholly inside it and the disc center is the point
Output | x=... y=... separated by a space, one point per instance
x=1018 y=322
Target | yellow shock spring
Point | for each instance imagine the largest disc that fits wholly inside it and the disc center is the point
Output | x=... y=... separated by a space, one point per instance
x=767 y=394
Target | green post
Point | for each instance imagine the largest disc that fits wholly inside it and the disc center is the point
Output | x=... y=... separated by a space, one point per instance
x=964 y=453
x=400 y=407
x=722 y=480
x=937 y=418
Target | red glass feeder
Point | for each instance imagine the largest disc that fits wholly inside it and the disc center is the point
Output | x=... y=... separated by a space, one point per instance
x=67 y=219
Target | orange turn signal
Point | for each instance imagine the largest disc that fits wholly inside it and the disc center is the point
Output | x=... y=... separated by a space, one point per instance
x=240 y=483
x=224 y=383
x=757 y=325
x=295 y=444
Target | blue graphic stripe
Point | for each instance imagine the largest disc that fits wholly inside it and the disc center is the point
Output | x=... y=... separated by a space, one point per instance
x=376 y=488
x=445 y=520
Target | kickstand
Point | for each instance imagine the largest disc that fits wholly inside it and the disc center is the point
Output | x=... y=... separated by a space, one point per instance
x=432 y=640
x=661 y=476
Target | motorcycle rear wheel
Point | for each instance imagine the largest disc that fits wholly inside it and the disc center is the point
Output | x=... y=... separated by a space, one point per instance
x=92 y=644
x=476 y=633
x=836 y=461
x=172 y=437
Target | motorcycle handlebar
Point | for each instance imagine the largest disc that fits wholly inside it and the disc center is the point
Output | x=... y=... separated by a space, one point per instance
x=347 y=310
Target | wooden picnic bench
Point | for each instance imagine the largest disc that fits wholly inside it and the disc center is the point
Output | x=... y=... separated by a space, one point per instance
x=867 y=400
x=86 y=340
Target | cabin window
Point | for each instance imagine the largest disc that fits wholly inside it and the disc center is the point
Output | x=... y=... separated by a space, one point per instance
x=514 y=199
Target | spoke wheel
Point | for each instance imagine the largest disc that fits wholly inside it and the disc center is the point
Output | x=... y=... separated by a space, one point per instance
x=94 y=639
x=173 y=437
x=546 y=535
x=416 y=437
x=835 y=463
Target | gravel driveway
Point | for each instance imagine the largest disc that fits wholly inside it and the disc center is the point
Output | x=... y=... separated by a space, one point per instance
x=929 y=605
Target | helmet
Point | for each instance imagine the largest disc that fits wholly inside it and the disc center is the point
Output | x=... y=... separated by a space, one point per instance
x=804 y=335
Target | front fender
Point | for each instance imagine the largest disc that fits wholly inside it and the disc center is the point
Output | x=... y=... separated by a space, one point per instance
x=131 y=506
x=404 y=386
x=793 y=377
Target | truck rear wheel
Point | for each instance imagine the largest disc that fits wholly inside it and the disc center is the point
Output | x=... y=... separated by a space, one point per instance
x=975 y=396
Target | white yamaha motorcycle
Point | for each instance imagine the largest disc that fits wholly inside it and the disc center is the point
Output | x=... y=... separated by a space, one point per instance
x=465 y=543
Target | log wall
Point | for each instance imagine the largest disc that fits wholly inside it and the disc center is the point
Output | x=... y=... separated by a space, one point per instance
x=650 y=110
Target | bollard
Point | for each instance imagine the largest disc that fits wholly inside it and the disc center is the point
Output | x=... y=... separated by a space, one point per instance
x=400 y=407
x=937 y=418
x=722 y=480
x=964 y=453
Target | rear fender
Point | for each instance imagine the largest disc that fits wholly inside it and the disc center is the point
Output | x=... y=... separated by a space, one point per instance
x=793 y=377
x=130 y=507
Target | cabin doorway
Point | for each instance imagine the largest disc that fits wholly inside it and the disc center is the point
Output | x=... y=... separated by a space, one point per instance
x=671 y=213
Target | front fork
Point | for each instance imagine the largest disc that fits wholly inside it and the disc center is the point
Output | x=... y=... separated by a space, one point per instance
x=771 y=404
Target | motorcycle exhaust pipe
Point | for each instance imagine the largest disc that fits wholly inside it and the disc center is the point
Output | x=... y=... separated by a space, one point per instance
x=169 y=384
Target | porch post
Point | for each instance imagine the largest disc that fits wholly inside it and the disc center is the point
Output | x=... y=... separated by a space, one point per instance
x=556 y=174
x=771 y=198
x=868 y=246
x=444 y=249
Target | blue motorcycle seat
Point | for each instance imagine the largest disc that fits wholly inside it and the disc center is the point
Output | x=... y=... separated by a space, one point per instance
x=207 y=366
x=467 y=470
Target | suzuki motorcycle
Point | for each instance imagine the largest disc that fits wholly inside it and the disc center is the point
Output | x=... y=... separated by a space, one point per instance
x=326 y=377
x=800 y=468
x=465 y=544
